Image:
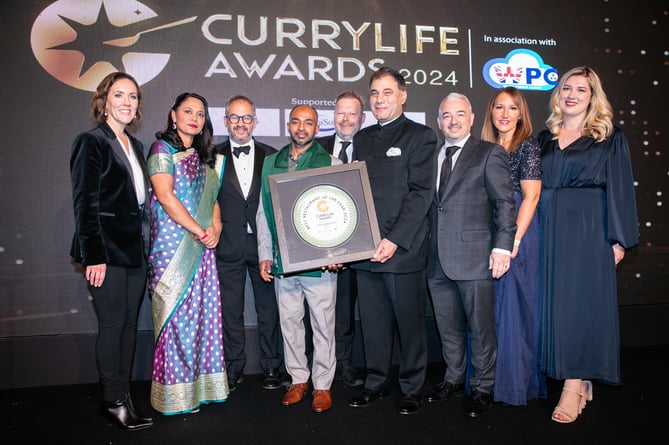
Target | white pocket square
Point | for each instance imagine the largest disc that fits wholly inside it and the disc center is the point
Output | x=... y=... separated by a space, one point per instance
x=393 y=152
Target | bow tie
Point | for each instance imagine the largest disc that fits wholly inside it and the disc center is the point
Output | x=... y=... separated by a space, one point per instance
x=243 y=149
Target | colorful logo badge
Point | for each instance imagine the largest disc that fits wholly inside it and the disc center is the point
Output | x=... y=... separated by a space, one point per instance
x=521 y=68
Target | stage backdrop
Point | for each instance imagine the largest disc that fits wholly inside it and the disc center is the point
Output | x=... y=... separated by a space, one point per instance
x=286 y=53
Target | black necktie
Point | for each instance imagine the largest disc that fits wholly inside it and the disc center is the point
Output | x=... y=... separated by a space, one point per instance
x=446 y=168
x=243 y=149
x=342 y=152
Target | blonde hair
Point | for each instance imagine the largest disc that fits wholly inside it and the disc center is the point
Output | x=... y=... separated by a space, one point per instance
x=598 y=122
x=523 y=129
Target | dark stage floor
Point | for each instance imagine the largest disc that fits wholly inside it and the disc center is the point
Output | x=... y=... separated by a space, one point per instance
x=636 y=412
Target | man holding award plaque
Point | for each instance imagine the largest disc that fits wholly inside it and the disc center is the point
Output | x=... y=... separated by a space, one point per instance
x=318 y=287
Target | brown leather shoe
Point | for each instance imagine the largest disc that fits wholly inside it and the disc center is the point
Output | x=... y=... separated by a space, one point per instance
x=322 y=400
x=295 y=393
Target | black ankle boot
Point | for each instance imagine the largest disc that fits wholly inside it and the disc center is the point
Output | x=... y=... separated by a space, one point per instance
x=133 y=413
x=118 y=411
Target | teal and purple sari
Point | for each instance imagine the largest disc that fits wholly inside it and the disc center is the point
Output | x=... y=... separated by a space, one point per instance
x=188 y=363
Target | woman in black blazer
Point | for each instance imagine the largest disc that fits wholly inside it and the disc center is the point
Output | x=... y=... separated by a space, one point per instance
x=109 y=189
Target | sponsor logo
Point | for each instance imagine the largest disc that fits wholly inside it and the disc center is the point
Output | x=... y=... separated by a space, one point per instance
x=521 y=68
x=79 y=43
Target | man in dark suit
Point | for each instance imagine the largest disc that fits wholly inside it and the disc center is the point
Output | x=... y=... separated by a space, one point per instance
x=399 y=154
x=472 y=223
x=348 y=118
x=237 y=250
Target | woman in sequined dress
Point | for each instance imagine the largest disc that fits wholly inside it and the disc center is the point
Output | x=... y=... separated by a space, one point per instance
x=517 y=374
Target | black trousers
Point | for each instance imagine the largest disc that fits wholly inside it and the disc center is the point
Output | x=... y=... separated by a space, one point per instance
x=347 y=291
x=117 y=304
x=232 y=279
x=393 y=303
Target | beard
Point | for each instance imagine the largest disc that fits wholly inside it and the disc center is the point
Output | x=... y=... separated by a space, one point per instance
x=301 y=143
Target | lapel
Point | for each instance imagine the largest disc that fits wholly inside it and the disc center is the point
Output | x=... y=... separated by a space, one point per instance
x=259 y=153
x=117 y=148
x=230 y=172
x=327 y=143
x=142 y=163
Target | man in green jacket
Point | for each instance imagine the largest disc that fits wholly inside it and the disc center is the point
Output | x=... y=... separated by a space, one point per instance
x=319 y=288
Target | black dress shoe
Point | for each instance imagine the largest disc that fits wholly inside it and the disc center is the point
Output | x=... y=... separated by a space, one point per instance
x=133 y=413
x=349 y=377
x=410 y=404
x=118 y=412
x=234 y=379
x=366 y=397
x=478 y=405
x=445 y=391
x=272 y=379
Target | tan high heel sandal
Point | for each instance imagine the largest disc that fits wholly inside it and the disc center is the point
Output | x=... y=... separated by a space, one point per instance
x=568 y=416
x=586 y=393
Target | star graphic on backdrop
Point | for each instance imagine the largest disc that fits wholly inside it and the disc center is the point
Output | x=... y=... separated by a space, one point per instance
x=89 y=41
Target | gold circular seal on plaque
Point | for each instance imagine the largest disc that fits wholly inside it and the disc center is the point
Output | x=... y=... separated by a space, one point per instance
x=325 y=216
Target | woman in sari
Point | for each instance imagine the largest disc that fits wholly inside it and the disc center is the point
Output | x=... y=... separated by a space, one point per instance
x=188 y=365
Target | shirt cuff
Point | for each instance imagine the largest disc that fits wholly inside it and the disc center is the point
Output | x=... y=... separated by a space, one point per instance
x=502 y=251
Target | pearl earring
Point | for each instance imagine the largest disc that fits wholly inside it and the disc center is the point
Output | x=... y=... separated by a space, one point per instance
x=174 y=126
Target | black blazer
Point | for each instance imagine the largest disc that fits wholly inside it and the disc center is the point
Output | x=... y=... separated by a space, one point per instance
x=327 y=142
x=110 y=227
x=236 y=211
x=476 y=214
x=401 y=168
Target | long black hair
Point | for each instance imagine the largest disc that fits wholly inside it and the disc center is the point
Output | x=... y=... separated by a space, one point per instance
x=202 y=143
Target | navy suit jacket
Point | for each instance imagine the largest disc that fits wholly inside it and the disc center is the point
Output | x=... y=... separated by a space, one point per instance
x=110 y=227
x=476 y=214
x=237 y=211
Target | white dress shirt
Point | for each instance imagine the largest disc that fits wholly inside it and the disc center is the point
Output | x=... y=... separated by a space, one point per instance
x=137 y=175
x=244 y=166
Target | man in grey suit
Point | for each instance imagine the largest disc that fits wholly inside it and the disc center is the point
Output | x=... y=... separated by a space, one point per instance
x=348 y=119
x=237 y=250
x=472 y=223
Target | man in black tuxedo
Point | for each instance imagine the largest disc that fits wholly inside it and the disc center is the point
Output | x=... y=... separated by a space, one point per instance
x=472 y=223
x=399 y=154
x=348 y=118
x=237 y=250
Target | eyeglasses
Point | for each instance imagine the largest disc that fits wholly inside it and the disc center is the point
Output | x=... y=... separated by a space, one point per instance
x=247 y=118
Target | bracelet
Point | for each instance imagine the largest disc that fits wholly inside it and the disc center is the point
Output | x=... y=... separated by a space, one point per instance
x=516 y=242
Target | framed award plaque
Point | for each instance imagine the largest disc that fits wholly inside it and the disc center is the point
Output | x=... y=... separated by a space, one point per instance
x=324 y=216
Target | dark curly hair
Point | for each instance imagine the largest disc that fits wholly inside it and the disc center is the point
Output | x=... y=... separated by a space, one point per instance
x=202 y=143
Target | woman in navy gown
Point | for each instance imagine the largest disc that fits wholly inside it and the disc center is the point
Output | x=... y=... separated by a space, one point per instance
x=518 y=377
x=588 y=219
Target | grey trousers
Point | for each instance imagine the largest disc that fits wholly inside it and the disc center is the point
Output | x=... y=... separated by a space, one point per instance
x=320 y=294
